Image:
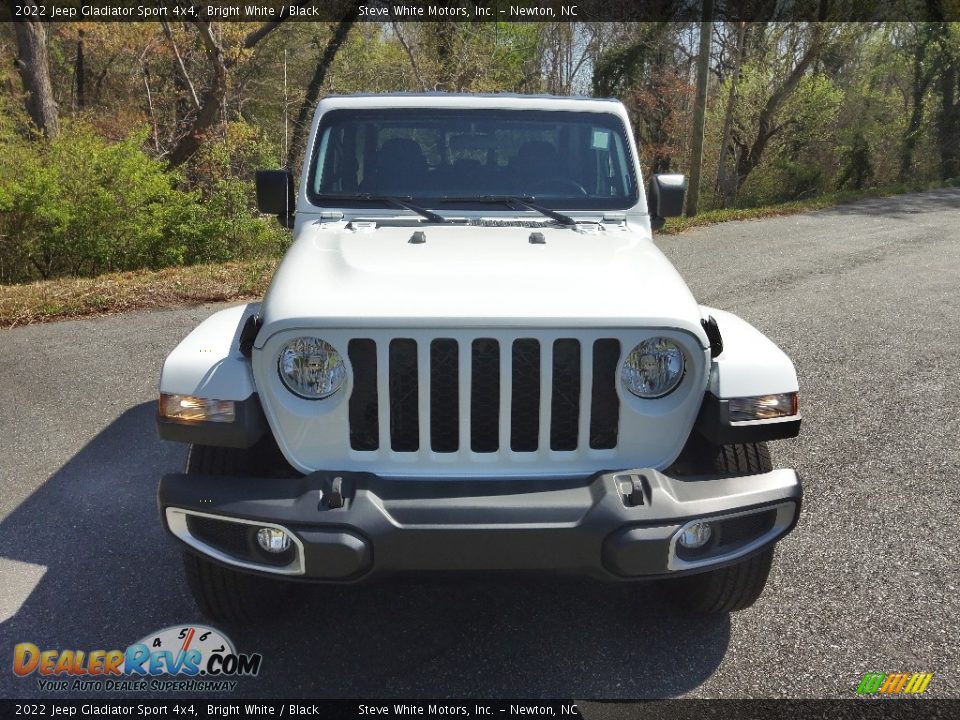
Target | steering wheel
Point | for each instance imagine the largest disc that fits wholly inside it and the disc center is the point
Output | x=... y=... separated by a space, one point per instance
x=557 y=183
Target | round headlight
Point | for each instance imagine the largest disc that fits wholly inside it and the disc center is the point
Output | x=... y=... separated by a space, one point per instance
x=311 y=368
x=653 y=368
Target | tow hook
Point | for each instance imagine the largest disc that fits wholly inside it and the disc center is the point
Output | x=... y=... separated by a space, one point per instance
x=333 y=494
x=631 y=489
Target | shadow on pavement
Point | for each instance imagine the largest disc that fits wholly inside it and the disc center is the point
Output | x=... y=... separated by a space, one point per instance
x=112 y=577
x=900 y=206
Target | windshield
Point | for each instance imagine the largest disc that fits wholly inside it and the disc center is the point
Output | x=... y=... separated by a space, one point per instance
x=433 y=157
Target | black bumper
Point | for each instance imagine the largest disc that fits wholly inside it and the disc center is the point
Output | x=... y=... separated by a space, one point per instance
x=615 y=525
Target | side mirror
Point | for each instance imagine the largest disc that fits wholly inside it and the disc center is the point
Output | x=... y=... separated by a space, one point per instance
x=665 y=198
x=275 y=195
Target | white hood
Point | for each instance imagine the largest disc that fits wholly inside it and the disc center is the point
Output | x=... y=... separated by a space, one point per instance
x=470 y=276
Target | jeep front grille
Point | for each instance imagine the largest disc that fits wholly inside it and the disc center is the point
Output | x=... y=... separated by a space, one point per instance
x=444 y=394
x=525 y=400
x=404 y=404
x=565 y=409
x=483 y=394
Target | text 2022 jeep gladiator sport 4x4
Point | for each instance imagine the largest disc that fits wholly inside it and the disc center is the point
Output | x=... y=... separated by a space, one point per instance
x=473 y=357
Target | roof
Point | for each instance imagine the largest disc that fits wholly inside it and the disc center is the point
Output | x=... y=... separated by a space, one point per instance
x=441 y=94
x=506 y=101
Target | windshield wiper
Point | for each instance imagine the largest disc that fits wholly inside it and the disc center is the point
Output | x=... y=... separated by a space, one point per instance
x=396 y=201
x=512 y=201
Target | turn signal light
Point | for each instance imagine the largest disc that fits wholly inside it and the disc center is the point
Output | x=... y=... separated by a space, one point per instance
x=763 y=407
x=188 y=409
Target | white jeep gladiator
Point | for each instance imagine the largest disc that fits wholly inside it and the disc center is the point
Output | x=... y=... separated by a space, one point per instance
x=474 y=358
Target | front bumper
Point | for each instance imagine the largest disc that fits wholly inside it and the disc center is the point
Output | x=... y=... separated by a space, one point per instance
x=619 y=525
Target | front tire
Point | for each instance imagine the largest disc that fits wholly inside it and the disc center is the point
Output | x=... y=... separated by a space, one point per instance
x=726 y=590
x=225 y=595
x=221 y=593
x=735 y=587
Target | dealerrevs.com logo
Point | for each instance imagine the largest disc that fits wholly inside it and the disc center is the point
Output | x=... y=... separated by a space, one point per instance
x=200 y=657
x=894 y=683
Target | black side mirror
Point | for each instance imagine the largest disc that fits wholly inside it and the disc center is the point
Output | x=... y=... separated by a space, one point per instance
x=275 y=195
x=665 y=198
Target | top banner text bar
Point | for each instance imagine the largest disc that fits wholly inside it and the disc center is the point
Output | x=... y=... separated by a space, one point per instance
x=483 y=10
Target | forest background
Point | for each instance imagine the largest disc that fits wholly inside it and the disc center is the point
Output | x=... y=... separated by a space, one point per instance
x=131 y=146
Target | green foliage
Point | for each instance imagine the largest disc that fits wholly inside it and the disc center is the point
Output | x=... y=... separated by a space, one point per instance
x=367 y=62
x=800 y=160
x=618 y=69
x=80 y=205
x=222 y=175
x=878 y=105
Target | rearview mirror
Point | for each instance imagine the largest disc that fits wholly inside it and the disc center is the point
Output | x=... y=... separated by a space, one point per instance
x=275 y=195
x=665 y=198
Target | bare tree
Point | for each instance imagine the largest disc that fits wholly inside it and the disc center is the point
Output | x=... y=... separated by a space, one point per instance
x=414 y=65
x=724 y=186
x=184 y=76
x=948 y=116
x=751 y=150
x=700 y=107
x=34 y=69
x=568 y=49
x=214 y=97
x=211 y=100
x=923 y=71
x=336 y=40
x=80 y=73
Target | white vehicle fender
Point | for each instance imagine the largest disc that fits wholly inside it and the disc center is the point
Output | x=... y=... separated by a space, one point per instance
x=751 y=364
x=207 y=363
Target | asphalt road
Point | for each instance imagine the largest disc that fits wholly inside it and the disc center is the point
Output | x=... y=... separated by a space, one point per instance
x=864 y=298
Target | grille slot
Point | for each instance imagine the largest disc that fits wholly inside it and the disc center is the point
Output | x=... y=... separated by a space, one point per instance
x=364 y=425
x=565 y=406
x=404 y=404
x=604 y=402
x=444 y=395
x=525 y=403
x=485 y=396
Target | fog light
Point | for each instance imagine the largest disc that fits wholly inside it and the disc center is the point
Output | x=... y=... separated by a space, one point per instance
x=273 y=540
x=695 y=535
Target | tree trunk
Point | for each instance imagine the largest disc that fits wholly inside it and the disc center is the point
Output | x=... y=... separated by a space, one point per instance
x=700 y=108
x=662 y=159
x=725 y=187
x=214 y=98
x=182 y=76
x=767 y=127
x=80 y=73
x=414 y=65
x=210 y=102
x=921 y=81
x=316 y=84
x=153 y=116
x=442 y=36
x=34 y=70
x=948 y=127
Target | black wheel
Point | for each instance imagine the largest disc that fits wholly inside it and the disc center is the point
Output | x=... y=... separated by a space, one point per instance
x=228 y=596
x=209 y=460
x=262 y=460
x=735 y=587
x=745 y=458
x=221 y=593
x=726 y=590
x=700 y=457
